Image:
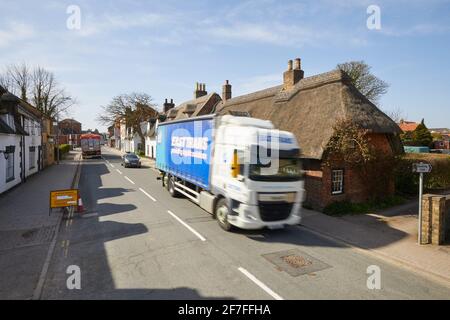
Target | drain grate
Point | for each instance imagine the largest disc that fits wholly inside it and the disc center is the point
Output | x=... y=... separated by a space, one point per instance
x=296 y=262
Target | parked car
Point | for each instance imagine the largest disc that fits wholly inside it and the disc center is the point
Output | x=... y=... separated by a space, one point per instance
x=131 y=160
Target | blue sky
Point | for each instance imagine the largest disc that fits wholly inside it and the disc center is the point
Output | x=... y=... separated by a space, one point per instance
x=164 y=47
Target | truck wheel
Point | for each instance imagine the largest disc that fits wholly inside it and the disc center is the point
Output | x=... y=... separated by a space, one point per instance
x=221 y=214
x=171 y=187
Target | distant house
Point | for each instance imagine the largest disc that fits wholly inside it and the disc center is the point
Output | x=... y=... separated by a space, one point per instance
x=150 y=138
x=70 y=132
x=202 y=104
x=310 y=108
x=20 y=140
x=408 y=126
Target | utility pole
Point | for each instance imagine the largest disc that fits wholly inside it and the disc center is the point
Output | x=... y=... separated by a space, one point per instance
x=57 y=139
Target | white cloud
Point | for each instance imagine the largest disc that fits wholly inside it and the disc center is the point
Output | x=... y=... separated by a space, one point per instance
x=417 y=30
x=15 y=31
x=258 y=83
x=93 y=25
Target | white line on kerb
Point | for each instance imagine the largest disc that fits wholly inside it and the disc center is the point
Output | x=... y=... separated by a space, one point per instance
x=120 y=172
x=260 y=284
x=144 y=192
x=187 y=226
x=129 y=180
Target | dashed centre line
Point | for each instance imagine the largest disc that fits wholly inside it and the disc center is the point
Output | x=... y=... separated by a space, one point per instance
x=120 y=172
x=260 y=284
x=131 y=181
x=187 y=226
x=148 y=195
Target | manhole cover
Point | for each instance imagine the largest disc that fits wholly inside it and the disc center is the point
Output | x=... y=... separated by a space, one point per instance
x=296 y=262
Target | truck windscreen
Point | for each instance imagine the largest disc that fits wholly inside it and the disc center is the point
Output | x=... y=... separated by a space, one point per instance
x=289 y=169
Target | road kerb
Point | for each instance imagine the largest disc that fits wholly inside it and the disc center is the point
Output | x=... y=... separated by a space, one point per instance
x=40 y=285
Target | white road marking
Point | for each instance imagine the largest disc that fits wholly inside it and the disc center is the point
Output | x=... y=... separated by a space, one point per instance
x=260 y=284
x=111 y=165
x=131 y=181
x=187 y=226
x=89 y=215
x=119 y=171
x=144 y=192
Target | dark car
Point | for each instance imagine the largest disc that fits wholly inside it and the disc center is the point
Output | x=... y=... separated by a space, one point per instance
x=131 y=160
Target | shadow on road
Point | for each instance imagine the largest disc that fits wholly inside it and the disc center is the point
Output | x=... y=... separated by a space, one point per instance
x=89 y=239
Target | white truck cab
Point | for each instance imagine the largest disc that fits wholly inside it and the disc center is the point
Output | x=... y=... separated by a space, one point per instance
x=257 y=199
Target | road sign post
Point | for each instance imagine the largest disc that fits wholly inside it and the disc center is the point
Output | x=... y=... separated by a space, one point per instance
x=421 y=168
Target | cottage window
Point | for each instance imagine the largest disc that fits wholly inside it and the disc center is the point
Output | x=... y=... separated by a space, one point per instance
x=32 y=157
x=337 y=181
x=10 y=167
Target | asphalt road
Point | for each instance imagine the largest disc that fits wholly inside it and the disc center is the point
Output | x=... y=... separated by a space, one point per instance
x=136 y=242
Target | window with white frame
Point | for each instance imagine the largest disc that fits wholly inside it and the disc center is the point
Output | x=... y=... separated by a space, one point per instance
x=10 y=167
x=32 y=157
x=337 y=181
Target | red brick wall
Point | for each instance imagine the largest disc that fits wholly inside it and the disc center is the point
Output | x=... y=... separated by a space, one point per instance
x=357 y=188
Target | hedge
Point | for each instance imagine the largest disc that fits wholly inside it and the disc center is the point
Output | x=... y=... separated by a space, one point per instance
x=63 y=149
x=407 y=182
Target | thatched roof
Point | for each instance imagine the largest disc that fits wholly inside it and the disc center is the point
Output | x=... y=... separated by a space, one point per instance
x=196 y=107
x=311 y=109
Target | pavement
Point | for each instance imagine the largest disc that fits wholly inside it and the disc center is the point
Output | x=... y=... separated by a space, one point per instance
x=136 y=242
x=27 y=230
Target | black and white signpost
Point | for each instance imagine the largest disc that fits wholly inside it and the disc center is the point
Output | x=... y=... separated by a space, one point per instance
x=421 y=168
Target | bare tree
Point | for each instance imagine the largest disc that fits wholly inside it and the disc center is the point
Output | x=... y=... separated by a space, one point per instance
x=396 y=114
x=37 y=86
x=48 y=96
x=133 y=108
x=361 y=77
x=17 y=80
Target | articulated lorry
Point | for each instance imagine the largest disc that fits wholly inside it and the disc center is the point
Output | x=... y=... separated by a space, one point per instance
x=240 y=169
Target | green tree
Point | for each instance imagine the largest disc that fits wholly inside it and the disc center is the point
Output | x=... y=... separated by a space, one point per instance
x=422 y=136
x=362 y=78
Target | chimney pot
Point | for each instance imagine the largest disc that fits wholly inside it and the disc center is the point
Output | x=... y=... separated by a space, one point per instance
x=297 y=65
x=200 y=90
x=289 y=65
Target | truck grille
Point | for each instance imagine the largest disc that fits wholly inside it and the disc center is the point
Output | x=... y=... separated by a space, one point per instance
x=274 y=211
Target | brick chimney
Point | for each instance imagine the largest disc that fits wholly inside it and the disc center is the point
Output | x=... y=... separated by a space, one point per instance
x=168 y=105
x=200 y=90
x=293 y=74
x=226 y=91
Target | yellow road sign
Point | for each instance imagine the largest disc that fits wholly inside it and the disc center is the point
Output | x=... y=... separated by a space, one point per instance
x=63 y=198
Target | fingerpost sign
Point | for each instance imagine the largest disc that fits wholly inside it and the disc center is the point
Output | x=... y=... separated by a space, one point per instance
x=421 y=168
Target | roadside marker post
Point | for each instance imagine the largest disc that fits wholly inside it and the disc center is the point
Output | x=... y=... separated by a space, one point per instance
x=421 y=168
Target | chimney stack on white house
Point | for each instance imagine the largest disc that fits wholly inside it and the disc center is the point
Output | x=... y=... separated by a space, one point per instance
x=293 y=74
